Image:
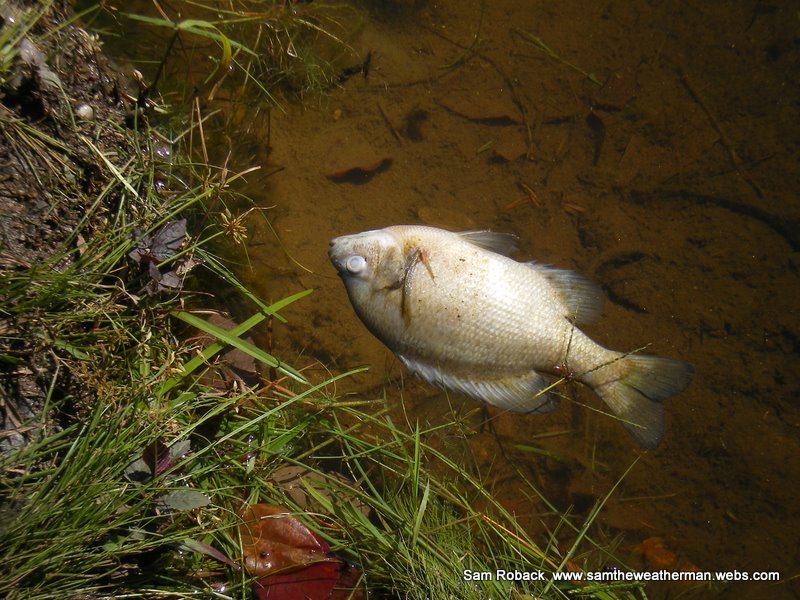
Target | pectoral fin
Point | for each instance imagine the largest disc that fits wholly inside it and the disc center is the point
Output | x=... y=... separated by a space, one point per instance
x=416 y=255
x=519 y=394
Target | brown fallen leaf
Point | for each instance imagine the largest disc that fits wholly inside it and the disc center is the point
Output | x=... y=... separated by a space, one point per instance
x=658 y=555
x=290 y=561
x=235 y=370
x=273 y=540
x=296 y=481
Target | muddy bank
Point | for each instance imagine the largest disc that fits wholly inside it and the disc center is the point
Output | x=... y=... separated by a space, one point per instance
x=65 y=119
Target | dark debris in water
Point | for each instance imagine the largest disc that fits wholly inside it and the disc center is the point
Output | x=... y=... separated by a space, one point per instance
x=360 y=174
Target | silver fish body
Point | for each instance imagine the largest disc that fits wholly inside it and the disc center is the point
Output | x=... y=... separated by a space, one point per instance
x=462 y=315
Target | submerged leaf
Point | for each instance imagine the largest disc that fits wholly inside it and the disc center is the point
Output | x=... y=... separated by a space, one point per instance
x=306 y=487
x=184 y=499
x=164 y=244
x=319 y=581
x=168 y=240
x=154 y=251
x=203 y=548
x=138 y=471
x=231 y=337
x=273 y=540
x=658 y=555
x=169 y=280
x=236 y=370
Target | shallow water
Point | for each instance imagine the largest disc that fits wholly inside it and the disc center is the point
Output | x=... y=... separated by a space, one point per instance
x=673 y=182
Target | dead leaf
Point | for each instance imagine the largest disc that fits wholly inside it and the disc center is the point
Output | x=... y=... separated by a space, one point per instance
x=297 y=481
x=319 y=581
x=658 y=555
x=273 y=540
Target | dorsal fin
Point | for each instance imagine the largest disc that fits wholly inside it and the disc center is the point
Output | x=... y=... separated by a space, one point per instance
x=582 y=299
x=502 y=243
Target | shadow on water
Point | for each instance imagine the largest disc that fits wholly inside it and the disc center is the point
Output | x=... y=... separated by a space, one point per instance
x=649 y=146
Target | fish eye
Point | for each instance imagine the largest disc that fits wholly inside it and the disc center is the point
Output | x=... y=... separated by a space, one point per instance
x=356 y=263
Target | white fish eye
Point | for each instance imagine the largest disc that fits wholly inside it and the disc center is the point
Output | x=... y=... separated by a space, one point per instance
x=356 y=263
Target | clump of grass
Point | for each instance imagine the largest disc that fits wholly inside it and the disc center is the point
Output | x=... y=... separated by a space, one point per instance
x=263 y=47
x=77 y=523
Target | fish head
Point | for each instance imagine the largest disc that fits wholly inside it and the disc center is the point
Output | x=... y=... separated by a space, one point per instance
x=369 y=262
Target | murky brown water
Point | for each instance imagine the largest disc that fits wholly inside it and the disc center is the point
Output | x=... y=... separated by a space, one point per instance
x=673 y=183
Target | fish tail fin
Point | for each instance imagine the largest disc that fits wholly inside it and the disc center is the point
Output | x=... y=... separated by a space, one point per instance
x=637 y=390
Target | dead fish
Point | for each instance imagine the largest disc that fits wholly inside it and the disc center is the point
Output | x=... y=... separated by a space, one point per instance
x=462 y=315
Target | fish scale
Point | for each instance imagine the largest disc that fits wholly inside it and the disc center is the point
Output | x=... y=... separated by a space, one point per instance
x=462 y=315
x=495 y=296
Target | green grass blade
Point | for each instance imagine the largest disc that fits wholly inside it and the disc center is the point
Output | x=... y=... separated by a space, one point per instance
x=420 y=514
x=237 y=342
x=197 y=27
x=210 y=351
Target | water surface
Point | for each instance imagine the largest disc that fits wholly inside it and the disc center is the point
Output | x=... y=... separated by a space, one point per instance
x=654 y=149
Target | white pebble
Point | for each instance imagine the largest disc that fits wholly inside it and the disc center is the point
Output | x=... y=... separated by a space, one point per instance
x=84 y=112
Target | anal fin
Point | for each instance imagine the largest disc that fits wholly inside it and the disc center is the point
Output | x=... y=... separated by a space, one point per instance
x=515 y=393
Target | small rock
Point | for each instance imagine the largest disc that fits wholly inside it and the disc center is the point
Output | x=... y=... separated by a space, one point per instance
x=84 y=112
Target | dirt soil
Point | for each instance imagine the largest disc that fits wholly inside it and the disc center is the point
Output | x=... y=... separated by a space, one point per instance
x=62 y=106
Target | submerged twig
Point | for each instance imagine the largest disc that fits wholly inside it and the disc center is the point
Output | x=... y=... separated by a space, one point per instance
x=726 y=143
x=509 y=81
x=537 y=42
x=399 y=136
x=472 y=49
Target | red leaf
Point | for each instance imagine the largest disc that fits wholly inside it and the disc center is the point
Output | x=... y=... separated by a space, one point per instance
x=319 y=581
x=156 y=456
x=273 y=540
x=291 y=561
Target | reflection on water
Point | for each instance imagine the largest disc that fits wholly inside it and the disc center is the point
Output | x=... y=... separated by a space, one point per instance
x=650 y=147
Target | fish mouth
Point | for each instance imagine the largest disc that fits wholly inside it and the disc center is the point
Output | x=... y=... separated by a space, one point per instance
x=336 y=255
